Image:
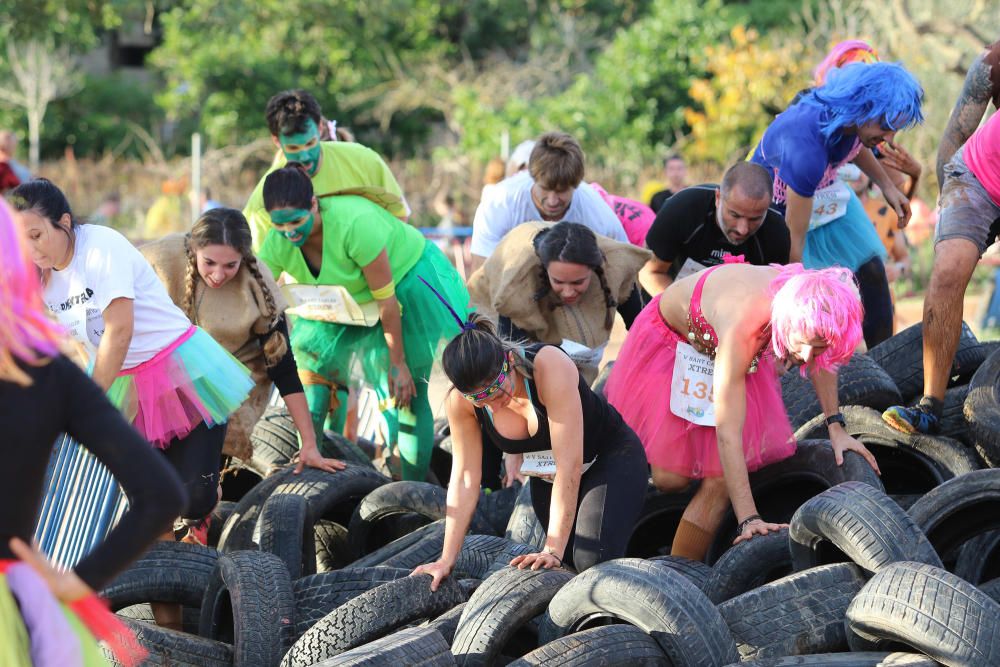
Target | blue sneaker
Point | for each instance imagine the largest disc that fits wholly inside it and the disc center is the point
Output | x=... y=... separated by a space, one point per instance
x=911 y=420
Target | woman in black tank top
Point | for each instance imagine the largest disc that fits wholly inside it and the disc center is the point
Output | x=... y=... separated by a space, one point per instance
x=587 y=469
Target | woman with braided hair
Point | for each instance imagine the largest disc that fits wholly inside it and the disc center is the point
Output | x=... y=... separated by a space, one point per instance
x=212 y=274
x=575 y=281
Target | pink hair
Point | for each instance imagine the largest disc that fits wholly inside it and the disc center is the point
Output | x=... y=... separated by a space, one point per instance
x=844 y=53
x=821 y=303
x=26 y=332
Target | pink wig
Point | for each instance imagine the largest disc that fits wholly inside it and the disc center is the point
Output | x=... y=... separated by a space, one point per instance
x=26 y=332
x=816 y=304
x=844 y=53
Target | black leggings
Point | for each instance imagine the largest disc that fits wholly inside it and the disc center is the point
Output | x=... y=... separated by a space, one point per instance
x=196 y=459
x=877 y=301
x=611 y=496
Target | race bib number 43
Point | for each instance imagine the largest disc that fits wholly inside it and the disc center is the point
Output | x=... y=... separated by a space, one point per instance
x=691 y=386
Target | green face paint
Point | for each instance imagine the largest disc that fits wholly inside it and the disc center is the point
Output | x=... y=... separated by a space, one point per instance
x=295 y=224
x=303 y=147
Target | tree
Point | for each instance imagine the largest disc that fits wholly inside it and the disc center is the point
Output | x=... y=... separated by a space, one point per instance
x=748 y=81
x=38 y=73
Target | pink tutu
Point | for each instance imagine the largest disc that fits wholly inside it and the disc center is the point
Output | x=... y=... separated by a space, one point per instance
x=639 y=388
x=192 y=380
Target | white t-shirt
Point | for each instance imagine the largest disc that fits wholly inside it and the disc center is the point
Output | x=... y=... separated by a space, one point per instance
x=507 y=204
x=106 y=266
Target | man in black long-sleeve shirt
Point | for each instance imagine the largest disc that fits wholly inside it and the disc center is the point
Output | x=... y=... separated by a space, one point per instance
x=701 y=225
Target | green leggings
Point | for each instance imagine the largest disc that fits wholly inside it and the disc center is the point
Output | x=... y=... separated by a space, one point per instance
x=411 y=428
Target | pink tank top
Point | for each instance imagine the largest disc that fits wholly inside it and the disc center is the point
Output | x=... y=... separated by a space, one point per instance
x=982 y=154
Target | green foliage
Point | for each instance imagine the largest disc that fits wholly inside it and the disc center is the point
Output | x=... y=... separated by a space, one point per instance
x=74 y=23
x=97 y=119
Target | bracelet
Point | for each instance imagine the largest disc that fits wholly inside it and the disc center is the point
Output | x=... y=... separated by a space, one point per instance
x=747 y=521
x=550 y=552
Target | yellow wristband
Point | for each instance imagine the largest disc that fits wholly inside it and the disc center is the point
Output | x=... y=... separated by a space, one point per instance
x=384 y=292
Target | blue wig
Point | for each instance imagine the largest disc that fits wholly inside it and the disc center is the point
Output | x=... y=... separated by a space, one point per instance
x=860 y=92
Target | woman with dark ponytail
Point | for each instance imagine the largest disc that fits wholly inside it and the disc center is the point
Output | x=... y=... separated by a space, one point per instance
x=577 y=280
x=588 y=470
x=348 y=250
x=212 y=274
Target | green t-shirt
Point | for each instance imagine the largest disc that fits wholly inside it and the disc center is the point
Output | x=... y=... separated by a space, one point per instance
x=344 y=166
x=355 y=231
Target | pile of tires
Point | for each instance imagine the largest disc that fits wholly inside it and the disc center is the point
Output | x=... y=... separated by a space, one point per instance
x=313 y=569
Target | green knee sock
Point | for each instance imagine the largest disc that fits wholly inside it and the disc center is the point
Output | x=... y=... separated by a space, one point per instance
x=318 y=398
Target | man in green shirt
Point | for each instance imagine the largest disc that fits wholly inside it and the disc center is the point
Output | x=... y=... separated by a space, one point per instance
x=293 y=118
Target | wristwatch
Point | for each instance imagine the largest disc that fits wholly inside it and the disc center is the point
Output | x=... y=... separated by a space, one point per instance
x=837 y=419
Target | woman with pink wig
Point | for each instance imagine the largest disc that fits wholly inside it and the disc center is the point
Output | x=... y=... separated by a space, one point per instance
x=697 y=380
x=48 y=617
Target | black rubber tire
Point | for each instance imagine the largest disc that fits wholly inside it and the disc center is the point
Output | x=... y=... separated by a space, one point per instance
x=959 y=510
x=396 y=498
x=330 y=543
x=694 y=570
x=275 y=440
x=992 y=589
x=799 y=614
x=497 y=507
x=319 y=594
x=858 y=659
x=781 y=488
x=859 y=382
x=406 y=551
x=982 y=410
x=653 y=532
x=902 y=357
x=910 y=464
x=411 y=646
x=337 y=446
x=602 y=379
x=859 y=522
x=331 y=496
x=221 y=514
x=169 y=648
x=655 y=599
x=929 y=609
x=285 y=529
x=373 y=615
x=482 y=555
x=441 y=461
x=144 y=612
x=524 y=525
x=168 y=572
x=249 y=603
x=979 y=558
x=447 y=623
x=749 y=564
x=608 y=646
x=501 y=605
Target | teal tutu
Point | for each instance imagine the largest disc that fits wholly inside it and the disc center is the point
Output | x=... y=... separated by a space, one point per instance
x=848 y=241
x=347 y=355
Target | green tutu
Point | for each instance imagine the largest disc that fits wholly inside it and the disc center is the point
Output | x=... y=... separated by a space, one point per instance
x=348 y=355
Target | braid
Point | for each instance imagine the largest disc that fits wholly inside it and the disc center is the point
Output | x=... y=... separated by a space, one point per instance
x=277 y=345
x=609 y=300
x=190 y=280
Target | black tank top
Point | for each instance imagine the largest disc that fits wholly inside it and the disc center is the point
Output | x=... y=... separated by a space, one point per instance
x=600 y=420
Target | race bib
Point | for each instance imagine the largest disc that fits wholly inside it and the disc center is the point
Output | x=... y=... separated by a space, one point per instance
x=581 y=354
x=691 y=386
x=830 y=203
x=329 y=303
x=543 y=465
x=689 y=268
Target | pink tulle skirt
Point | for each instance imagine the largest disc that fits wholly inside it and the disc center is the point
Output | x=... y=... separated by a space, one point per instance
x=192 y=380
x=639 y=388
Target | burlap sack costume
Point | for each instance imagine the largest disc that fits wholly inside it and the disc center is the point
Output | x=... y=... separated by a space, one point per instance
x=510 y=277
x=232 y=315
